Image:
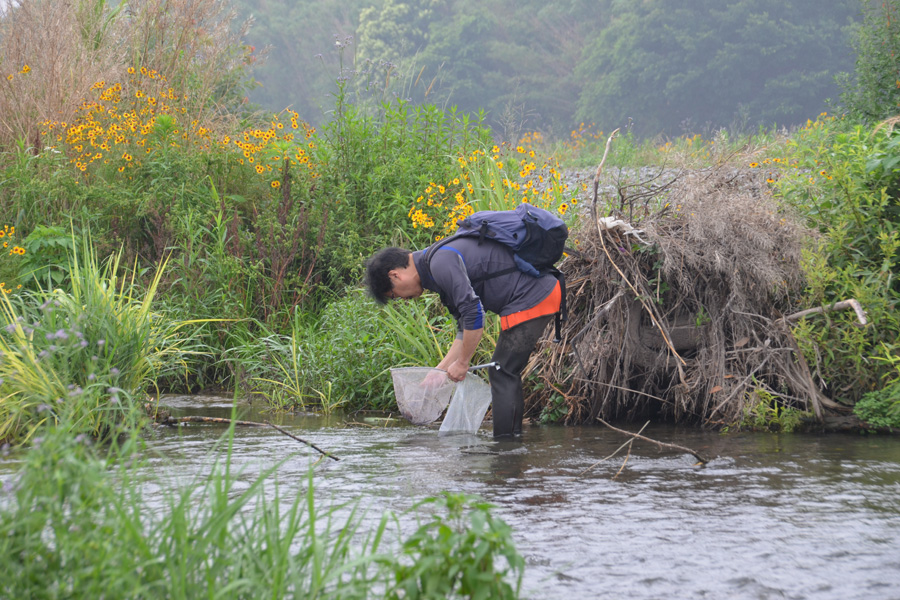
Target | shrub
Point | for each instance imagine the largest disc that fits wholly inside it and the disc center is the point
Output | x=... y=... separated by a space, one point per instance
x=376 y=159
x=457 y=555
x=836 y=177
x=85 y=356
x=873 y=91
x=880 y=408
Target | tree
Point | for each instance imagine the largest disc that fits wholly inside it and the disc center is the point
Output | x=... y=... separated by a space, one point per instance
x=676 y=66
x=301 y=66
x=397 y=30
x=873 y=92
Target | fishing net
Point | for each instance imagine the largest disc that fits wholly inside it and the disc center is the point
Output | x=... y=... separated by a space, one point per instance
x=423 y=393
x=421 y=398
x=467 y=408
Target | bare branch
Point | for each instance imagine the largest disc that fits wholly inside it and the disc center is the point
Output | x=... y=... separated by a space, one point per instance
x=842 y=305
x=658 y=443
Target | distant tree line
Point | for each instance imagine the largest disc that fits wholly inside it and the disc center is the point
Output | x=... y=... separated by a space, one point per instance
x=671 y=66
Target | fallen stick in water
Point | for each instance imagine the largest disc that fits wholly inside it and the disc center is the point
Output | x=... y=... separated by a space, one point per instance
x=219 y=420
x=311 y=445
x=628 y=443
x=660 y=444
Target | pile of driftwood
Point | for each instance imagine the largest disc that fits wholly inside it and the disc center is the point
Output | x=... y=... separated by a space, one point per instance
x=681 y=294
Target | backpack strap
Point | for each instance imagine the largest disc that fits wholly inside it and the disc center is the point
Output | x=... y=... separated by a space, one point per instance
x=434 y=248
x=563 y=313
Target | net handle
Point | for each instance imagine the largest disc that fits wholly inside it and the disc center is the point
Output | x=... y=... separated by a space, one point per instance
x=494 y=364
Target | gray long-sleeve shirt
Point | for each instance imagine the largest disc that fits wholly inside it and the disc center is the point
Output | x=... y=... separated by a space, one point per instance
x=456 y=264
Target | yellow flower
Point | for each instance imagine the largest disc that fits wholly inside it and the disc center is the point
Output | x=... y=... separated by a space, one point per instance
x=753 y=165
x=563 y=208
x=276 y=184
x=9 y=77
x=26 y=69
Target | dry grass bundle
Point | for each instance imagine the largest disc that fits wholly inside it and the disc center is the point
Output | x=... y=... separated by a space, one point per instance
x=52 y=53
x=49 y=59
x=680 y=318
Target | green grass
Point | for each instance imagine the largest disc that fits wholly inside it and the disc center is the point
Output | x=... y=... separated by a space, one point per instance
x=78 y=523
x=87 y=355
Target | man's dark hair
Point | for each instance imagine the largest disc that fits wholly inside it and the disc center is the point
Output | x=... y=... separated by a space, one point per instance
x=378 y=267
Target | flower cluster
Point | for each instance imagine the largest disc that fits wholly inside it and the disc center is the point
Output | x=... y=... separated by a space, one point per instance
x=583 y=136
x=115 y=125
x=64 y=344
x=123 y=123
x=8 y=270
x=25 y=70
x=495 y=180
x=268 y=149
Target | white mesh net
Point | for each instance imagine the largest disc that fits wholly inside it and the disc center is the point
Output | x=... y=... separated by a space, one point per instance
x=422 y=393
x=467 y=408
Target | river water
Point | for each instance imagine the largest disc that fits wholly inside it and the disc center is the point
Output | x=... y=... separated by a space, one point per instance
x=772 y=516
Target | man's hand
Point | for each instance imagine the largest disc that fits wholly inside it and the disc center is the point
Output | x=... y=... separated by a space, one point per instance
x=435 y=379
x=458 y=370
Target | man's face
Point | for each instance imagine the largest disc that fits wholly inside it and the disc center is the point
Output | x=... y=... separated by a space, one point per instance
x=404 y=283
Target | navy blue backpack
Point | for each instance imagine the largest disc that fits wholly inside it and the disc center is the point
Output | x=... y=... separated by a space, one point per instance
x=536 y=236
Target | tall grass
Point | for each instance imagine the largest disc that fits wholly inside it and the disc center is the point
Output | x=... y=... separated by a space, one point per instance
x=87 y=355
x=78 y=523
x=52 y=53
x=343 y=358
